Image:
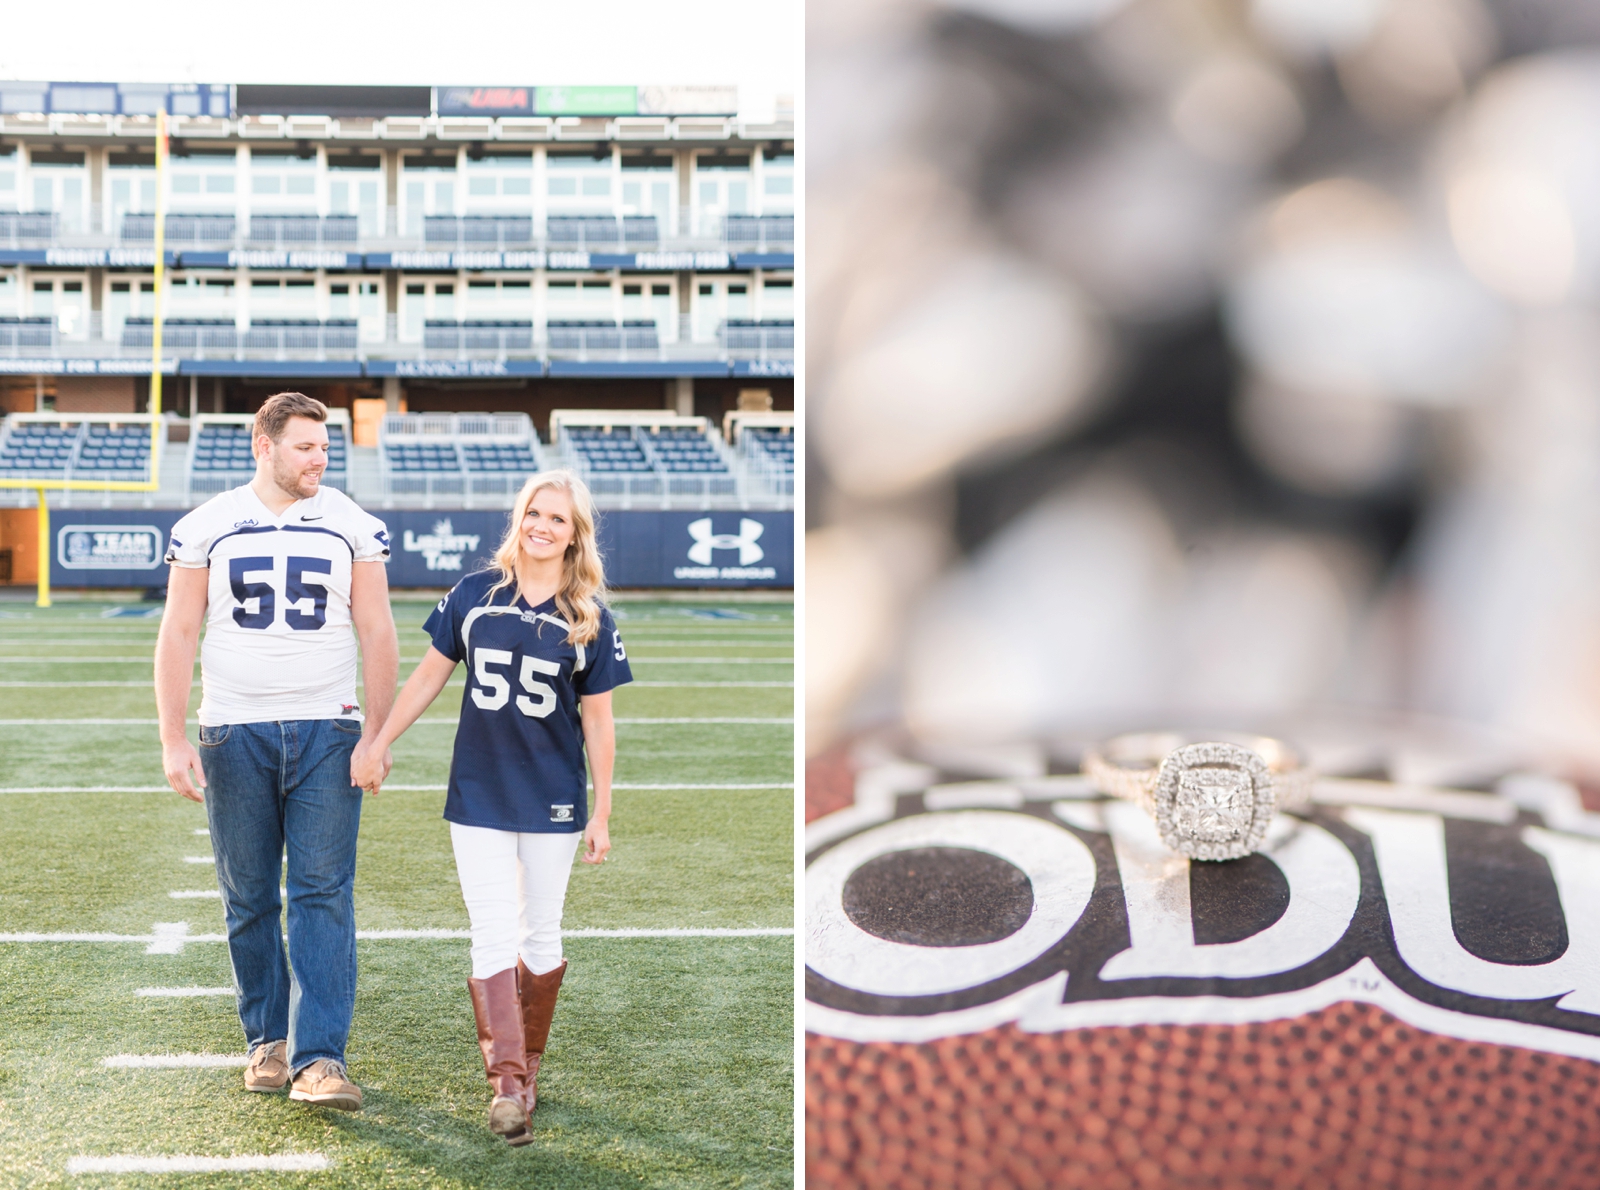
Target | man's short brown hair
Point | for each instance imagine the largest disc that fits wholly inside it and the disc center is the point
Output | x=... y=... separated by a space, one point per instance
x=277 y=409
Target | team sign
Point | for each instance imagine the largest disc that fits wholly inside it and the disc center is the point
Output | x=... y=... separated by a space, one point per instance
x=937 y=905
x=110 y=547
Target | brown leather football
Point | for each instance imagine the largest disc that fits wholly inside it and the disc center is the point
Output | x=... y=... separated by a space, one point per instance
x=1010 y=982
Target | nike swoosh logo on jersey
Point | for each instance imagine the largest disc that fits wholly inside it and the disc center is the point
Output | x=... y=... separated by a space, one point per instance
x=310 y=518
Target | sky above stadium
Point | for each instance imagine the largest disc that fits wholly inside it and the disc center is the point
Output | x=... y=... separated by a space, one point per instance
x=752 y=43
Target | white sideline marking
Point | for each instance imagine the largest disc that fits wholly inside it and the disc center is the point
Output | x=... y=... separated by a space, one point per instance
x=396 y=788
x=183 y=992
x=167 y=937
x=200 y=830
x=152 y=722
x=195 y=894
x=172 y=1061
x=401 y=935
x=703 y=685
x=285 y=1162
x=66 y=685
x=199 y=859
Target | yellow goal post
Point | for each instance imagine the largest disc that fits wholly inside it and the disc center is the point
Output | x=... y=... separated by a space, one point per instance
x=41 y=485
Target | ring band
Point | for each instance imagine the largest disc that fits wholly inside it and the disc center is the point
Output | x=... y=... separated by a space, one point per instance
x=1210 y=798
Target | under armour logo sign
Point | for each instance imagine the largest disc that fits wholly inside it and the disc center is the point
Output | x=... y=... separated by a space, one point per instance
x=745 y=542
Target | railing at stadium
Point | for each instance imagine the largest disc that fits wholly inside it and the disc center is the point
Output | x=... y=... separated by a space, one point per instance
x=485 y=233
x=30 y=229
x=24 y=336
x=278 y=338
x=595 y=338
x=759 y=233
x=603 y=233
x=182 y=231
x=747 y=338
x=302 y=231
x=476 y=338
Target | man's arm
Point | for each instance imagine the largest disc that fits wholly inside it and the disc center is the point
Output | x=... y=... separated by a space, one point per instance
x=380 y=650
x=175 y=647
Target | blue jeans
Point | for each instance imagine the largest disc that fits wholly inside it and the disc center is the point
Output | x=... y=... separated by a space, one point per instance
x=273 y=788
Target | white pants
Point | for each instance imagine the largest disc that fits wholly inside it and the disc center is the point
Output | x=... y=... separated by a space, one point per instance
x=514 y=886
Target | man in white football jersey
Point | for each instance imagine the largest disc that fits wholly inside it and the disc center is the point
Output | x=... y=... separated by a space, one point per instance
x=279 y=571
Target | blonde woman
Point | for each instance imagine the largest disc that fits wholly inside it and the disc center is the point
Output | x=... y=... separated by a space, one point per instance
x=543 y=655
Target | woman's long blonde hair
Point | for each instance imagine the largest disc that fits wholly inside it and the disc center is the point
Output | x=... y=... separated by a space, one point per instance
x=583 y=581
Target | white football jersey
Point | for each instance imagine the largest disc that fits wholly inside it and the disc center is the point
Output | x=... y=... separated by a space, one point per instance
x=279 y=643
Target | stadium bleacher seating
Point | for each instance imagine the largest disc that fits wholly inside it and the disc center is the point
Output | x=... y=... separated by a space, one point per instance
x=764 y=442
x=683 y=449
x=646 y=457
x=608 y=450
x=39 y=449
x=219 y=455
x=113 y=451
x=465 y=457
x=776 y=445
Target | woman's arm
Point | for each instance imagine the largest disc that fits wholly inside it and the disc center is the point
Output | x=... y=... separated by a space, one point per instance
x=600 y=739
x=421 y=688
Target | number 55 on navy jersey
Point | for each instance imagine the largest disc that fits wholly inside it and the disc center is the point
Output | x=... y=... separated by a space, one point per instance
x=519 y=759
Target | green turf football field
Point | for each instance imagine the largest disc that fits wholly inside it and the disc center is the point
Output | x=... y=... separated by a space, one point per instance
x=670 y=1062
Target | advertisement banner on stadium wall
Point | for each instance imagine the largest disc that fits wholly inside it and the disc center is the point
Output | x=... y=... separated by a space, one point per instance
x=642 y=548
x=103 y=547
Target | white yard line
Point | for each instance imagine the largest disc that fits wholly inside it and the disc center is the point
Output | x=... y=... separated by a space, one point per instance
x=199 y=859
x=172 y=1061
x=195 y=894
x=397 y=788
x=275 y=1162
x=458 y=682
x=436 y=719
x=415 y=935
x=182 y=992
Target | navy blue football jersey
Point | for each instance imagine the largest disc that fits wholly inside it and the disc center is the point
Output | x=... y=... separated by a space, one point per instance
x=518 y=762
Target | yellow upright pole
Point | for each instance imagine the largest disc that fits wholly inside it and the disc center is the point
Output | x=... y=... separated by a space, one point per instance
x=44 y=549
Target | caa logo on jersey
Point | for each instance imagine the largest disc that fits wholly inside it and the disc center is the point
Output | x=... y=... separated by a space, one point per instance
x=1465 y=913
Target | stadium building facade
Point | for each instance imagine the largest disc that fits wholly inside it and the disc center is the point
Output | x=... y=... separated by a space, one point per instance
x=477 y=280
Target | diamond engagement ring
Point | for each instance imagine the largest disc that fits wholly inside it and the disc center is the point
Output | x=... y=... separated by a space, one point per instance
x=1211 y=799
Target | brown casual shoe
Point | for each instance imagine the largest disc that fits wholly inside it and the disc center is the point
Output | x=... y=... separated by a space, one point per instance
x=269 y=1067
x=538 y=996
x=499 y=1015
x=324 y=1083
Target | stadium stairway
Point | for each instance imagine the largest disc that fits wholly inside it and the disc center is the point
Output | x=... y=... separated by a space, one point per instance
x=366 y=478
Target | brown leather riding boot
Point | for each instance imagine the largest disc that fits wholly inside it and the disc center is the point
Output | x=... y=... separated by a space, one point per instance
x=495 y=1004
x=538 y=995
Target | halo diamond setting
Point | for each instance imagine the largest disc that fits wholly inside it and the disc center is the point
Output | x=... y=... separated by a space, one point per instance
x=1213 y=800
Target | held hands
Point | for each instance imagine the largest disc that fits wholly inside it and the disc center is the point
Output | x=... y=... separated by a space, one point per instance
x=369 y=767
x=596 y=841
x=178 y=758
